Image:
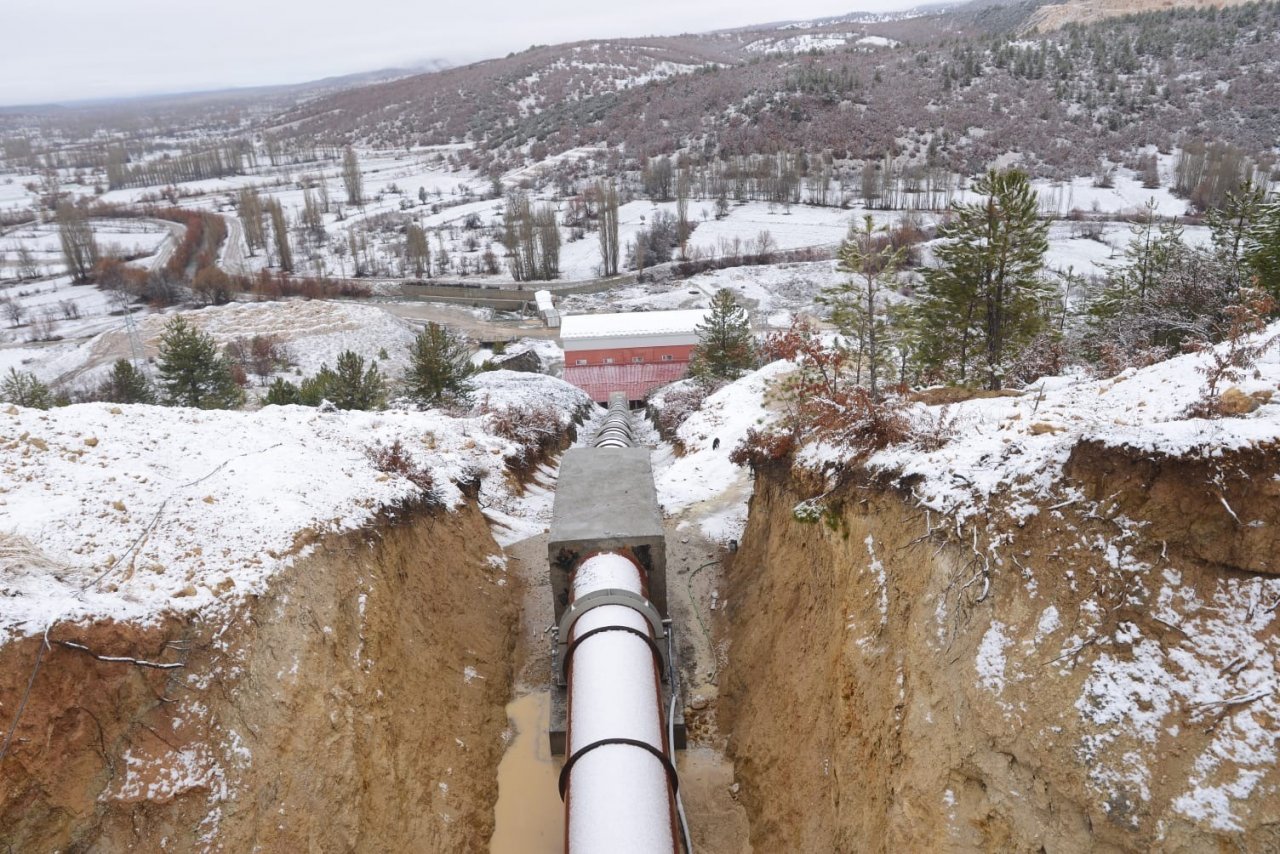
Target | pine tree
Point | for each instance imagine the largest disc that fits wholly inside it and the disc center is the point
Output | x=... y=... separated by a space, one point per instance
x=25 y=389
x=984 y=298
x=1262 y=248
x=858 y=306
x=1146 y=259
x=725 y=348
x=1231 y=223
x=282 y=393
x=353 y=386
x=192 y=372
x=439 y=366
x=127 y=384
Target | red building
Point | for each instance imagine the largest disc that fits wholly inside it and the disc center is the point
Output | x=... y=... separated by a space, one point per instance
x=634 y=352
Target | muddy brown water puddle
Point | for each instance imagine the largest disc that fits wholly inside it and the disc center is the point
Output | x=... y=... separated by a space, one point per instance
x=529 y=817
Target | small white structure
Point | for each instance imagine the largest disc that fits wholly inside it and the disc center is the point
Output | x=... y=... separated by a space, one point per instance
x=547 y=308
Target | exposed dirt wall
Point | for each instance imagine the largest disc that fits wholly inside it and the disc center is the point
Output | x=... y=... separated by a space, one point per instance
x=358 y=705
x=1054 y=682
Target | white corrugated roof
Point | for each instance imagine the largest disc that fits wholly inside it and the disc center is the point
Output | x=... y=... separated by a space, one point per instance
x=576 y=326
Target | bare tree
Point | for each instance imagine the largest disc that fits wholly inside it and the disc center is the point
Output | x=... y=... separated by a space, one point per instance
x=79 y=249
x=609 y=248
x=280 y=231
x=351 y=178
x=532 y=239
x=683 y=228
x=250 y=210
x=27 y=266
x=417 y=251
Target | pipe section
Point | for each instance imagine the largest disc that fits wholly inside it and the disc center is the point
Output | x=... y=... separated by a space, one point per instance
x=618 y=783
x=616 y=430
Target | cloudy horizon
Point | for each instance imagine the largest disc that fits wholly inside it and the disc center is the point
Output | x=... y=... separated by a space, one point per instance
x=141 y=47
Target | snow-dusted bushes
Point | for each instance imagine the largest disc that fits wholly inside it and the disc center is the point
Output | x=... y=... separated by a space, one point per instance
x=536 y=430
x=395 y=459
x=822 y=401
x=674 y=404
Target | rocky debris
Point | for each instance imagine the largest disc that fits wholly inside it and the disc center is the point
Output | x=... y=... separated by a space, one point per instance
x=526 y=362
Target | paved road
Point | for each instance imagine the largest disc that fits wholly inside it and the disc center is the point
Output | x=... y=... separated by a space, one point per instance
x=177 y=231
x=232 y=258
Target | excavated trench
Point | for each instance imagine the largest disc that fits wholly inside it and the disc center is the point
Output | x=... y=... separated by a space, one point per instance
x=836 y=694
x=356 y=705
x=891 y=690
x=387 y=691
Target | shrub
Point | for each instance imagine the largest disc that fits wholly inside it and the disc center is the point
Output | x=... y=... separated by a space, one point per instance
x=675 y=406
x=535 y=430
x=1239 y=353
x=822 y=399
x=936 y=428
x=395 y=460
x=261 y=355
x=759 y=448
x=282 y=393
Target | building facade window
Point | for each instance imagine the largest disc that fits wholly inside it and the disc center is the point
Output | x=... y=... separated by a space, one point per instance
x=639 y=360
x=580 y=362
x=608 y=360
x=666 y=357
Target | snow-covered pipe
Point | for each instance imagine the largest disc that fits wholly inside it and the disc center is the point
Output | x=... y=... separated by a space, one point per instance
x=618 y=783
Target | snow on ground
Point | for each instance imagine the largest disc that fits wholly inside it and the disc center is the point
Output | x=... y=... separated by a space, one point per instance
x=817 y=41
x=1020 y=443
x=1126 y=196
x=315 y=332
x=794 y=227
x=703 y=480
x=131 y=512
x=76 y=310
x=120 y=238
x=518 y=516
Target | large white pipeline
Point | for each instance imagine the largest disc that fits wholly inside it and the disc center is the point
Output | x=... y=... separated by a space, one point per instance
x=618 y=796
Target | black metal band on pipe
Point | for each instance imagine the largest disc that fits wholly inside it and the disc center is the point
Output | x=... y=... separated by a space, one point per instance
x=630 y=742
x=653 y=646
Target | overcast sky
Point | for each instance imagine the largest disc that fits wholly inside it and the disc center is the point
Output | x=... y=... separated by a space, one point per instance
x=59 y=50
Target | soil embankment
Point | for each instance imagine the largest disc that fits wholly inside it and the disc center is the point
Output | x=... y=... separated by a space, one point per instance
x=1053 y=679
x=357 y=705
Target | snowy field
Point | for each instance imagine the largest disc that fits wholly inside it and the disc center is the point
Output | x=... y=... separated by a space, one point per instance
x=314 y=332
x=111 y=511
x=122 y=238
